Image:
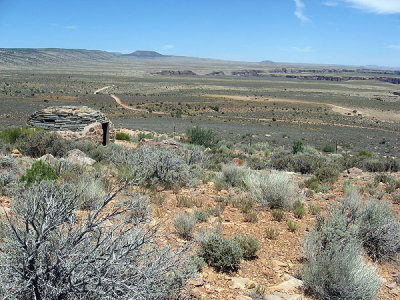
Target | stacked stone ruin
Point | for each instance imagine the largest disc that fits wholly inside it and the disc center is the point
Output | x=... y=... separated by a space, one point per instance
x=76 y=122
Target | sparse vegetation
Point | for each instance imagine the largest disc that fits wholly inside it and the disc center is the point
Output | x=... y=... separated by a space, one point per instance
x=184 y=225
x=220 y=252
x=122 y=136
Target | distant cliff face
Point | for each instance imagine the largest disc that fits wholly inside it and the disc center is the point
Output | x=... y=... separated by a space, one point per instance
x=142 y=53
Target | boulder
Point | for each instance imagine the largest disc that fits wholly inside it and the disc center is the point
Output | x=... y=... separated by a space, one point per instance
x=76 y=156
x=48 y=158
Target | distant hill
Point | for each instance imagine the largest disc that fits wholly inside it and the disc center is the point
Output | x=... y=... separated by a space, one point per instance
x=267 y=62
x=28 y=56
x=143 y=53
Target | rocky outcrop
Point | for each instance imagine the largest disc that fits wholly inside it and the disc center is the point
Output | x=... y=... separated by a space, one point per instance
x=176 y=73
x=216 y=73
x=247 y=73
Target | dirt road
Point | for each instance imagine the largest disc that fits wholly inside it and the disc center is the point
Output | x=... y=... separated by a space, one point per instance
x=102 y=89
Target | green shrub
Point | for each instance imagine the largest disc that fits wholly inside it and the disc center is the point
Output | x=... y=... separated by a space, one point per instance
x=43 y=142
x=251 y=217
x=142 y=136
x=365 y=153
x=314 y=210
x=203 y=137
x=306 y=163
x=292 y=226
x=249 y=245
x=373 y=165
x=282 y=160
x=234 y=175
x=299 y=209
x=201 y=215
x=329 y=148
x=312 y=183
x=297 y=147
x=275 y=189
x=271 y=233
x=150 y=166
x=122 y=136
x=184 y=225
x=335 y=267
x=37 y=172
x=379 y=230
x=327 y=174
x=220 y=252
x=278 y=214
x=246 y=205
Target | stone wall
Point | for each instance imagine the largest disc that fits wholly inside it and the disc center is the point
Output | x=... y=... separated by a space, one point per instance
x=75 y=122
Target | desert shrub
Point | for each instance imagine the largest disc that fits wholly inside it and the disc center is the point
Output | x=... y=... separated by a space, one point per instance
x=271 y=233
x=184 y=225
x=11 y=135
x=249 y=245
x=37 y=172
x=306 y=164
x=312 y=183
x=379 y=230
x=275 y=189
x=234 y=175
x=365 y=153
x=335 y=267
x=200 y=136
x=292 y=226
x=384 y=178
x=297 y=147
x=142 y=136
x=197 y=261
x=282 y=160
x=329 y=148
x=327 y=174
x=122 y=136
x=314 y=210
x=201 y=215
x=222 y=253
x=196 y=156
x=7 y=162
x=392 y=165
x=251 y=217
x=217 y=209
x=246 y=205
x=278 y=214
x=91 y=191
x=74 y=254
x=373 y=165
x=8 y=174
x=42 y=142
x=298 y=209
x=396 y=198
x=150 y=166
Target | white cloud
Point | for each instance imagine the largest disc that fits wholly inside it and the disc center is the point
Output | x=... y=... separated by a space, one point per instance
x=377 y=6
x=71 y=27
x=299 y=12
x=166 y=47
x=330 y=3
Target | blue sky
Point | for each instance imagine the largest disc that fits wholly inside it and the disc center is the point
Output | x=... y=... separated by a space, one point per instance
x=352 y=32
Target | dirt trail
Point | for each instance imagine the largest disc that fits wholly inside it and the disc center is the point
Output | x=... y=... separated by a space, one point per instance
x=102 y=89
x=371 y=113
x=132 y=108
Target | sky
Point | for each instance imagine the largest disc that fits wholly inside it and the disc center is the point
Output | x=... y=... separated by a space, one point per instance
x=346 y=32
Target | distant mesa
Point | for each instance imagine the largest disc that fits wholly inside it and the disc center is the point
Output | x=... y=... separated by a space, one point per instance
x=216 y=73
x=175 y=73
x=247 y=73
x=267 y=62
x=142 y=53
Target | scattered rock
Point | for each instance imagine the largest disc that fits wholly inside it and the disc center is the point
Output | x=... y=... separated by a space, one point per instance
x=289 y=285
x=48 y=158
x=16 y=153
x=196 y=282
x=198 y=292
x=242 y=283
x=280 y=296
x=237 y=161
x=78 y=157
